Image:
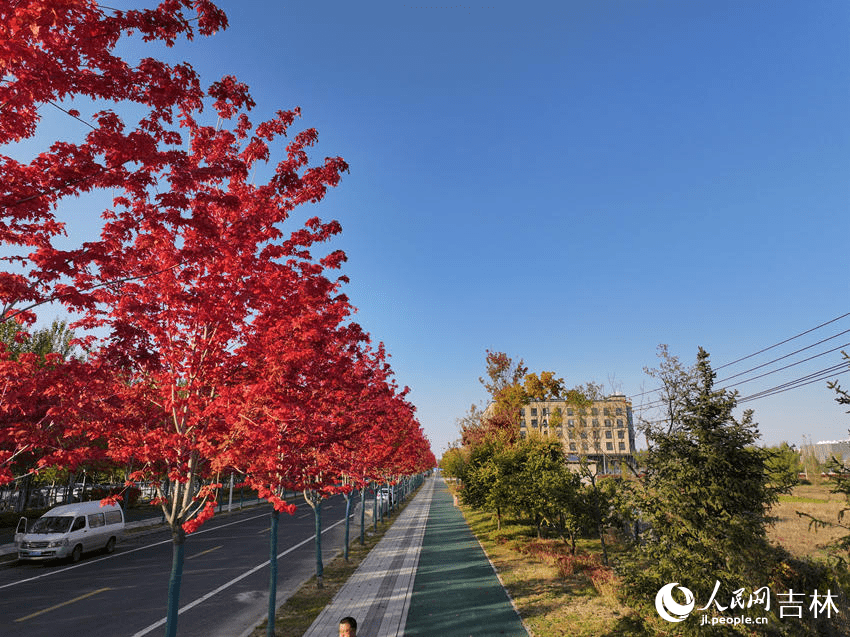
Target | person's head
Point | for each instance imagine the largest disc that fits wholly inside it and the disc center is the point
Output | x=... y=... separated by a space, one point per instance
x=347 y=627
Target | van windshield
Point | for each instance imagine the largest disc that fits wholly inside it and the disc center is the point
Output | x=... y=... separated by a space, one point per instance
x=52 y=524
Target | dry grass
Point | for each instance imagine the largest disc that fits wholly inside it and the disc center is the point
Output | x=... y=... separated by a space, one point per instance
x=552 y=591
x=793 y=531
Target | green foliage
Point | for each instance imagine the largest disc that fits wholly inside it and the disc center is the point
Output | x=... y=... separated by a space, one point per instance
x=55 y=339
x=783 y=467
x=453 y=463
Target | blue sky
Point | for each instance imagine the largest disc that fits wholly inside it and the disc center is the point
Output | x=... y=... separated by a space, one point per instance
x=574 y=183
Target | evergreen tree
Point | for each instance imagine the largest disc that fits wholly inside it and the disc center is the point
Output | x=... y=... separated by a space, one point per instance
x=706 y=496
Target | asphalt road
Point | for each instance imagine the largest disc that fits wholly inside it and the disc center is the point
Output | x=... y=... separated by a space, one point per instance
x=225 y=579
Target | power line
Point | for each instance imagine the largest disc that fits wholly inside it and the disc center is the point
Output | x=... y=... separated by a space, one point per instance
x=815 y=377
x=802 y=349
x=837 y=318
x=793 y=384
x=834 y=349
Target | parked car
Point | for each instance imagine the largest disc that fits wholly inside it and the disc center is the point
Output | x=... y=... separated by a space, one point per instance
x=69 y=531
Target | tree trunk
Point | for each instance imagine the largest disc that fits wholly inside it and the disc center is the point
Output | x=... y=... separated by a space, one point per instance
x=178 y=540
x=275 y=521
x=348 y=497
x=599 y=526
x=315 y=501
x=320 y=569
x=362 y=515
x=375 y=510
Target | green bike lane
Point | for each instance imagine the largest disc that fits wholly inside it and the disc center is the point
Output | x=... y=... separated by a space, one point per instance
x=456 y=592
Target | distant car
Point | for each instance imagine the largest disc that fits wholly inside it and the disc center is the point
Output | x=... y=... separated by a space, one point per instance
x=386 y=494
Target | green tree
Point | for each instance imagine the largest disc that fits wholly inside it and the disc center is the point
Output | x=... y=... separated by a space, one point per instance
x=553 y=494
x=453 y=462
x=55 y=339
x=483 y=477
x=706 y=496
x=784 y=467
x=581 y=399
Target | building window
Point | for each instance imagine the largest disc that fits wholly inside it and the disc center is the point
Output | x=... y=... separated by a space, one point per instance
x=607 y=422
x=594 y=412
x=583 y=434
x=596 y=422
x=596 y=435
x=619 y=422
x=619 y=411
x=534 y=423
x=572 y=446
x=545 y=411
x=571 y=422
x=569 y=411
x=606 y=412
x=534 y=411
x=608 y=434
x=622 y=446
x=620 y=434
x=609 y=446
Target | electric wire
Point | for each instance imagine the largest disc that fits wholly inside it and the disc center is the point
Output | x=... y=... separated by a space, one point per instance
x=787 y=340
x=795 y=383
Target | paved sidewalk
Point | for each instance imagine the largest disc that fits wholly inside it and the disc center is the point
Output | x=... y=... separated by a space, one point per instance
x=378 y=594
x=427 y=576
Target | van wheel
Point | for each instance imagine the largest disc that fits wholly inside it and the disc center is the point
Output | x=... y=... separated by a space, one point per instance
x=77 y=553
x=110 y=545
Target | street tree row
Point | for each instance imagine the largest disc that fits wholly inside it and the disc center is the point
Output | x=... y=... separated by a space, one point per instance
x=218 y=337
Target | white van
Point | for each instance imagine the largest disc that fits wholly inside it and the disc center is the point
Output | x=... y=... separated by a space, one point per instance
x=70 y=530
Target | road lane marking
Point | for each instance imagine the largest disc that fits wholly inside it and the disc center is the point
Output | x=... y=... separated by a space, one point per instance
x=191 y=557
x=70 y=601
x=235 y=580
x=265 y=530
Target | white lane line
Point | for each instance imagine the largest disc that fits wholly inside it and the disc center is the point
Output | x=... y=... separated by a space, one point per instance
x=200 y=600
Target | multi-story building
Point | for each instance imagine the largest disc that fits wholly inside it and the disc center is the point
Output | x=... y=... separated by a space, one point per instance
x=602 y=432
